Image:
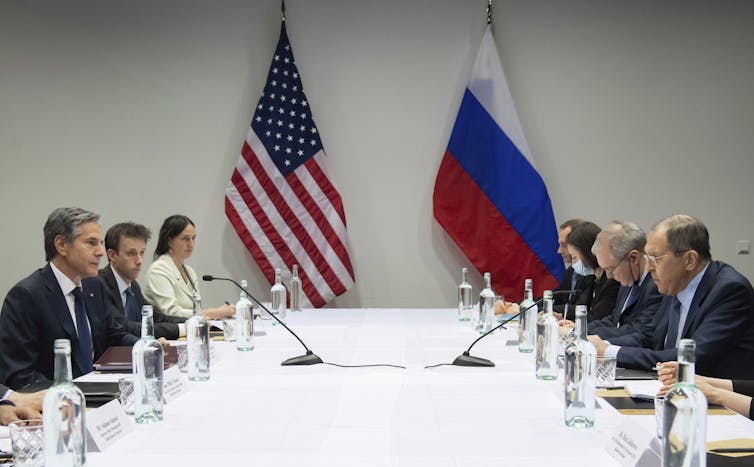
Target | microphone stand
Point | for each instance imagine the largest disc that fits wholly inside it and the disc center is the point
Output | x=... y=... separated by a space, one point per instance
x=466 y=359
x=309 y=358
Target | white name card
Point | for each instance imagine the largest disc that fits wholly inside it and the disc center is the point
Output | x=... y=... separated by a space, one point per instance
x=106 y=425
x=633 y=446
x=173 y=384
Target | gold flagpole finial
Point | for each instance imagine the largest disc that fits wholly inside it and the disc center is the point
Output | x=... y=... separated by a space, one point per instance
x=489 y=11
x=282 y=11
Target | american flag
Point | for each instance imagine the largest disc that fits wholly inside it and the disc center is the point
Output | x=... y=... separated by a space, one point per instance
x=281 y=198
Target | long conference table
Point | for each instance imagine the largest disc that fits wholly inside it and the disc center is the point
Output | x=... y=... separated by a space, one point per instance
x=253 y=411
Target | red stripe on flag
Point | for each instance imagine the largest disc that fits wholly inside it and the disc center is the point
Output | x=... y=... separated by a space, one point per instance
x=327 y=188
x=322 y=223
x=484 y=235
x=319 y=220
x=248 y=239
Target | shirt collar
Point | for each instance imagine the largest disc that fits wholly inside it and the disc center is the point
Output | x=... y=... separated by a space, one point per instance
x=122 y=285
x=65 y=283
x=643 y=277
x=686 y=295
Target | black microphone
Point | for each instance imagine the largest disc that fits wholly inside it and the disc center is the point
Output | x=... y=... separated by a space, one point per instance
x=465 y=359
x=310 y=358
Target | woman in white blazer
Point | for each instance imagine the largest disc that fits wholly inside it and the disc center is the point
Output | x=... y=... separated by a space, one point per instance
x=171 y=283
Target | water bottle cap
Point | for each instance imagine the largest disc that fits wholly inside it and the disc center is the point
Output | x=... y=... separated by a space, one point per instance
x=62 y=345
x=682 y=344
x=146 y=310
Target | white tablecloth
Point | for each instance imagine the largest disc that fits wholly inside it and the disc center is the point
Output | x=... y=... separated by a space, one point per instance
x=255 y=412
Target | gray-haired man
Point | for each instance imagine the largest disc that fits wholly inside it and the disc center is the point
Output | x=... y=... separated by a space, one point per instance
x=619 y=249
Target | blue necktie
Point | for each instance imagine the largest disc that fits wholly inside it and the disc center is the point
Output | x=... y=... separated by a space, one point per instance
x=132 y=308
x=673 y=320
x=84 y=351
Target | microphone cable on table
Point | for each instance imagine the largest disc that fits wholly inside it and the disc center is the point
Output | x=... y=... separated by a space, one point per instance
x=309 y=358
x=365 y=366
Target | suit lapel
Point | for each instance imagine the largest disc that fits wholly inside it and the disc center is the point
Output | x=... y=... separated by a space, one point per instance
x=633 y=298
x=112 y=284
x=91 y=303
x=620 y=310
x=59 y=305
x=701 y=293
x=97 y=316
x=178 y=277
x=662 y=326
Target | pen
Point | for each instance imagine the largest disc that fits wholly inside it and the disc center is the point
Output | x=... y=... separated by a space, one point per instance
x=227 y=302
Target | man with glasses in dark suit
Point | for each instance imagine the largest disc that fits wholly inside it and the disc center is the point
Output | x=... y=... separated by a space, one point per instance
x=705 y=300
x=619 y=249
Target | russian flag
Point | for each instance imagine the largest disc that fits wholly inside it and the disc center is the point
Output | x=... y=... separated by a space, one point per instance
x=488 y=195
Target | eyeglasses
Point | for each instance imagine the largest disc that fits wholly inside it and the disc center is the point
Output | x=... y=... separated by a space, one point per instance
x=656 y=259
x=609 y=271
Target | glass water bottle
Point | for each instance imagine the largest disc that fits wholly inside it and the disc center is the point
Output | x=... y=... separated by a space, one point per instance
x=465 y=307
x=244 y=322
x=278 y=297
x=527 y=323
x=296 y=290
x=63 y=409
x=548 y=340
x=148 y=364
x=580 y=376
x=684 y=425
x=197 y=335
x=486 y=306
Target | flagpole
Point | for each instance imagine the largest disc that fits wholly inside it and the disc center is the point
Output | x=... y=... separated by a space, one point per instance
x=282 y=10
x=489 y=12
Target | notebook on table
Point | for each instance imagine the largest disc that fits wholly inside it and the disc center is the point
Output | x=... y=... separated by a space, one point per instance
x=118 y=359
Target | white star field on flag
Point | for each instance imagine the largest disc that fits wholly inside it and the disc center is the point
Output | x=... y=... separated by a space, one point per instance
x=283 y=119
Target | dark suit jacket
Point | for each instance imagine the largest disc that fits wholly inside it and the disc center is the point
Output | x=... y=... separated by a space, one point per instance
x=582 y=283
x=599 y=295
x=565 y=284
x=721 y=321
x=638 y=315
x=35 y=313
x=745 y=387
x=164 y=325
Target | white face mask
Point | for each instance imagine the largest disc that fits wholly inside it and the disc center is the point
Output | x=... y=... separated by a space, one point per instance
x=581 y=270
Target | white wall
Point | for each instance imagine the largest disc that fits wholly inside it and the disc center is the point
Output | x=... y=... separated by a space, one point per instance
x=138 y=109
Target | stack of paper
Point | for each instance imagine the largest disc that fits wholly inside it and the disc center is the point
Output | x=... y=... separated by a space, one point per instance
x=646 y=389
